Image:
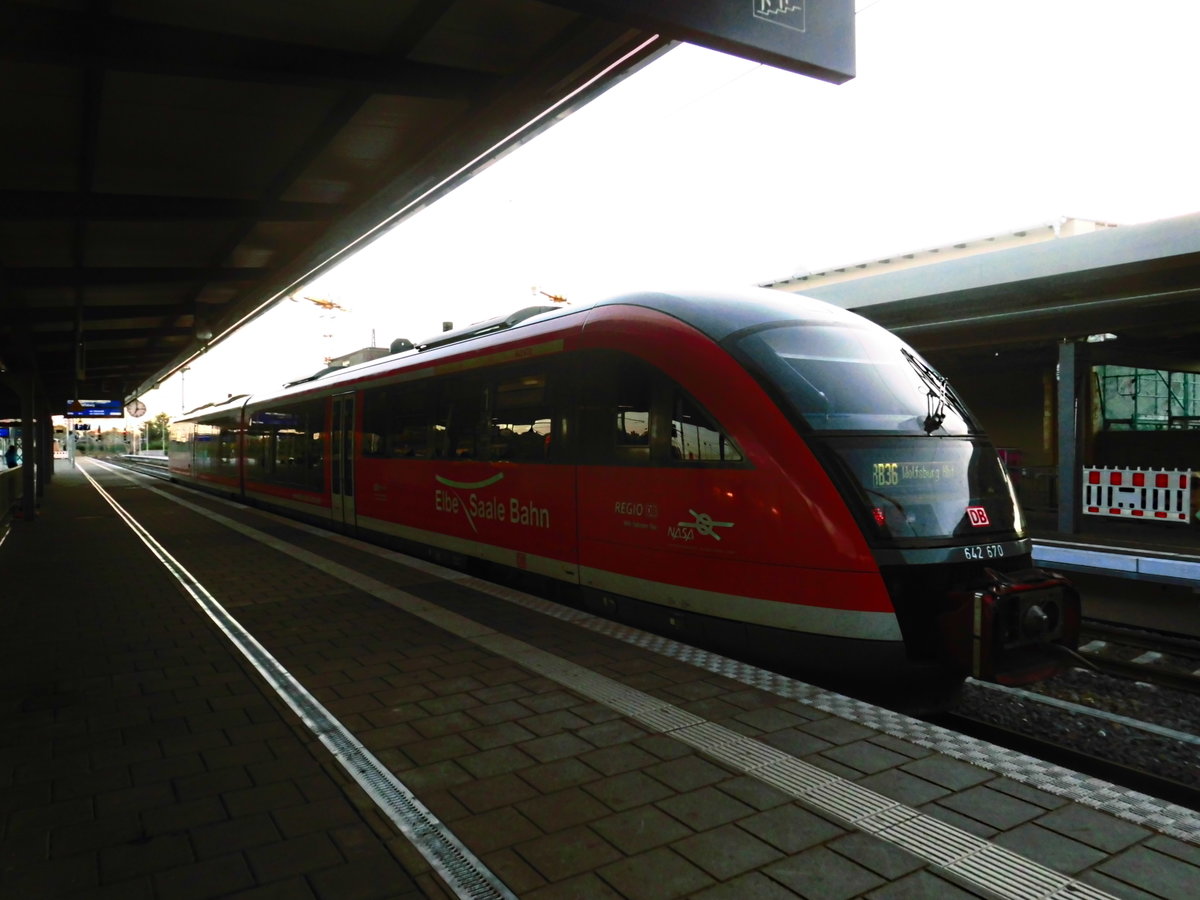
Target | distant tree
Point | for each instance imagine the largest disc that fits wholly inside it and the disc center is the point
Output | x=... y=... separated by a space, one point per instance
x=158 y=430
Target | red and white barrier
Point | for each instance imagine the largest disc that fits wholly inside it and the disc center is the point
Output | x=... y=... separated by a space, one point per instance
x=1158 y=494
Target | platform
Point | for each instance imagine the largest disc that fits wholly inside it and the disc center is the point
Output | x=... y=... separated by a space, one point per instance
x=1171 y=556
x=1144 y=574
x=392 y=729
x=1163 y=552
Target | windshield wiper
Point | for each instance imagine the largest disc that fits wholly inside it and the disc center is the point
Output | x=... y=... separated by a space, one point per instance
x=938 y=394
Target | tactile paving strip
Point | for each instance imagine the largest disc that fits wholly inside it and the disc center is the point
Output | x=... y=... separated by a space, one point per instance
x=1168 y=818
x=968 y=860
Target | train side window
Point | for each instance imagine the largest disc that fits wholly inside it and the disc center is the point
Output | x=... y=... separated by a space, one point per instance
x=413 y=415
x=521 y=419
x=257 y=450
x=413 y=424
x=694 y=436
x=376 y=421
x=315 y=477
x=291 y=456
x=632 y=413
x=398 y=422
x=182 y=436
x=228 y=447
x=615 y=406
x=631 y=423
x=205 y=457
x=263 y=439
x=460 y=418
x=291 y=440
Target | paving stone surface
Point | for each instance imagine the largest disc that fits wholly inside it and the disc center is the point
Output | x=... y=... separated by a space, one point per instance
x=142 y=757
x=1050 y=849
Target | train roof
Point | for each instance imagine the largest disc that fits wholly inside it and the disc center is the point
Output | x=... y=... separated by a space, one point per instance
x=716 y=314
x=720 y=314
x=233 y=401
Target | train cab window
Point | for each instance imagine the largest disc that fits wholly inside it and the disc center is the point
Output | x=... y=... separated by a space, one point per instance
x=694 y=436
x=853 y=378
x=521 y=419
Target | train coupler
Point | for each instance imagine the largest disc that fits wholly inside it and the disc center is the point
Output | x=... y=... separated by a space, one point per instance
x=1012 y=626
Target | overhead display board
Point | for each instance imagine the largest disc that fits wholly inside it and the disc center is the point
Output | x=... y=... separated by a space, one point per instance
x=812 y=37
x=95 y=409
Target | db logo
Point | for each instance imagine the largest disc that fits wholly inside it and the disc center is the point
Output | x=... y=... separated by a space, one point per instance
x=977 y=515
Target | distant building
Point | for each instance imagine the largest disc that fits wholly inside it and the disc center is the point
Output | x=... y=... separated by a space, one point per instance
x=1062 y=227
x=366 y=354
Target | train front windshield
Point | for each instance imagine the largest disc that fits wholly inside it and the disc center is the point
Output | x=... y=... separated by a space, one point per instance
x=920 y=466
x=846 y=378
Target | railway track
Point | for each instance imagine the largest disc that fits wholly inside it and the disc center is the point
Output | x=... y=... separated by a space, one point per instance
x=1167 y=660
x=148 y=465
x=1142 y=756
x=1130 y=717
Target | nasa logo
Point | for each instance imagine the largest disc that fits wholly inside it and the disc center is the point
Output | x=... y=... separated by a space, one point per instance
x=703 y=525
x=977 y=515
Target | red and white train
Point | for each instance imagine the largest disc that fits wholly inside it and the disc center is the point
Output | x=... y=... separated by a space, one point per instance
x=762 y=473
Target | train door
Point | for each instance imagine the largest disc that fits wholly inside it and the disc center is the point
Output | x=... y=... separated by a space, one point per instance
x=342 y=459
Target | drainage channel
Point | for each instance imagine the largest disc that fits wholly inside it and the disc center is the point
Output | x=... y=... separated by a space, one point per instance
x=461 y=870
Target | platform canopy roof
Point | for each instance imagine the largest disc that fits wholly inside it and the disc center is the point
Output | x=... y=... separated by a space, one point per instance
x=171 y=169
x=1133 y=289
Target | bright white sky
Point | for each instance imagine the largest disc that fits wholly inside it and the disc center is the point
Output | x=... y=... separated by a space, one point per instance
x=967 y=118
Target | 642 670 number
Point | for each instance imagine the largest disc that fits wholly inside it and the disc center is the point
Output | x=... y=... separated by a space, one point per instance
x=984 y=551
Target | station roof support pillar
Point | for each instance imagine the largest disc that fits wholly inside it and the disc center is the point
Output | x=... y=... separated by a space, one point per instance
x=1072 y=369
x=29 y=445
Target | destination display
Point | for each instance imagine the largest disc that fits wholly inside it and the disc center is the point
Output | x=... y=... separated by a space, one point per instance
x=918 y=488
x=95 y=409
x=896 y=474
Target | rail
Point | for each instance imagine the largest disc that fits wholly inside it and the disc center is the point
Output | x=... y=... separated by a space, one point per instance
x=155 y=466
x=1150 y=657
x=1129 y=753
x=160 y=461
